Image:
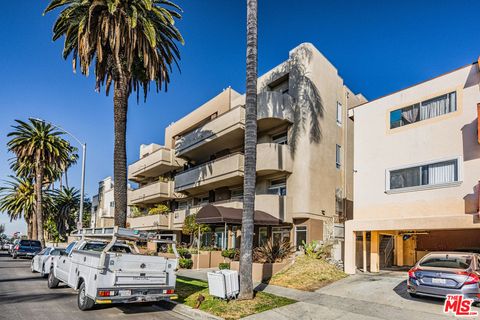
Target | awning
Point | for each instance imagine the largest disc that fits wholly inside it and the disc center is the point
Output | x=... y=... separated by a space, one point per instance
x=211 y=214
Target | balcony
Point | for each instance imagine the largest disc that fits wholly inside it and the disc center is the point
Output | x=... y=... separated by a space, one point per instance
x=152 y=193
x=273 y=157
x=180 y=215
x=154 y=165
x=273 y=109
x=221 y=172
x=150 y=222
x=215 y=135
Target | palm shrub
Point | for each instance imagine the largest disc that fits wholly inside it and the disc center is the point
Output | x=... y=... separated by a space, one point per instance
x=272 y=252
x=317 y=250
x=130 y=44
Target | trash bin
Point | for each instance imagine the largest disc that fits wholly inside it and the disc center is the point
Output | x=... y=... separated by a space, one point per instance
x=223 y=284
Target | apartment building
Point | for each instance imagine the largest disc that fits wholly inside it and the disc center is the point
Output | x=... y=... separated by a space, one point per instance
x=103 y=205
x=304 y=159
x=417 y=171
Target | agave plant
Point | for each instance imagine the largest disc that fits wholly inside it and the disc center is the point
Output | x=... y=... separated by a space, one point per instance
x=272 y=252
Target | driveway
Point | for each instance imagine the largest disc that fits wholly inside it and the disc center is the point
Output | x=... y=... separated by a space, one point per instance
x=382 y=296
x=24 y=295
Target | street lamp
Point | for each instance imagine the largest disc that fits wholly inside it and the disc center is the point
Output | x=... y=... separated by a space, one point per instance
x=82 y=184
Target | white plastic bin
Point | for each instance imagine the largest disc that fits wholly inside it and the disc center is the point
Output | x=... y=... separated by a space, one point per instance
x=223 y=284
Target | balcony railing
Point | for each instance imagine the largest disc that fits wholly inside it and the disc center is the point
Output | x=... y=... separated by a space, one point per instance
x=150 y=222
x=217 y=173
x=154 y=165
x=273 y=204
x=227 y=126
x=272 y=157
x=152 y=193
x=273 y=108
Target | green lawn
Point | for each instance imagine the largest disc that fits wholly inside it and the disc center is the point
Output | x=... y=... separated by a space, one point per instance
x=188 y=291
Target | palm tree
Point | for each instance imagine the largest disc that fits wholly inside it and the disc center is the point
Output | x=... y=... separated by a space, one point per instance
x=17 y=199
x=131 y=43
x=246 y=244
x=65 y=204
x=37 y=145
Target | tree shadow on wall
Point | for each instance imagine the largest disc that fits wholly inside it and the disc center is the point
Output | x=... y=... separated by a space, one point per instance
x=308 y=107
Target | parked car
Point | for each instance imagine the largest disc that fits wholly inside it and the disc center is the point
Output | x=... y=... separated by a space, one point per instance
x=6 y=245
x=42 y=262
x=441 y=273
x=26 y=248
x=10 y=248
x=109 y=272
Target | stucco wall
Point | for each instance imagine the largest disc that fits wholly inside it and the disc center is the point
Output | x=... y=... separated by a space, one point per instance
x=379 y=148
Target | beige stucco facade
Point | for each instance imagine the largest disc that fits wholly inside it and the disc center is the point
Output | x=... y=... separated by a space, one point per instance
x=416 y=214
x=302 y=118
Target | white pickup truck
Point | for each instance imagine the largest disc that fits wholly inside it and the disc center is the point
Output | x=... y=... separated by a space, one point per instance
x=104 y=269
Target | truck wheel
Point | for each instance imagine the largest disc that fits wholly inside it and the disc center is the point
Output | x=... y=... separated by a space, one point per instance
x=84 y=302
x=52 y=281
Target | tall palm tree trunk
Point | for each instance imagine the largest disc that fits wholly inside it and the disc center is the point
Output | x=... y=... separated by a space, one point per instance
x=33 y=224
x=246 y=244
x=39 y=172
x=120 y=108
x=29 y=228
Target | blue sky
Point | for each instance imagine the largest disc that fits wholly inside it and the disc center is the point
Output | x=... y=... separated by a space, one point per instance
x=377 y=46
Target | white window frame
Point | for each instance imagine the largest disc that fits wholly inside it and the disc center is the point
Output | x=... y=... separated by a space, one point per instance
x=339 y=114
x=306 y=235
x=459 y=181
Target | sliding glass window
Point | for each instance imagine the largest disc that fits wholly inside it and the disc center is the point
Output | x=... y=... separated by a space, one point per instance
x=424 y=110
x=425 y=175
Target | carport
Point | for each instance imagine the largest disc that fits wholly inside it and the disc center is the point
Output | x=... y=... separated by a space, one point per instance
x=377 y=250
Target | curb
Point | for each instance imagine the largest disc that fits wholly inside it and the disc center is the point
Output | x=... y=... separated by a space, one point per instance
x=191 y=312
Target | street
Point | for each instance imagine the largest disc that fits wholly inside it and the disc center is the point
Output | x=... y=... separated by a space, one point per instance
x=25 y=295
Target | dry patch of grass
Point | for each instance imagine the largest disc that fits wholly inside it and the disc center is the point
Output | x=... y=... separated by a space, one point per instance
x=307 y=274
x=188 y=291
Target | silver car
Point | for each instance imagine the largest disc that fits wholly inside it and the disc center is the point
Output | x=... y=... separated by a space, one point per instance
x=42 y=262
x=441 y=273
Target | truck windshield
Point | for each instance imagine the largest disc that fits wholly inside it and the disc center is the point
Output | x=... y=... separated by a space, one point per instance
x=100 y=246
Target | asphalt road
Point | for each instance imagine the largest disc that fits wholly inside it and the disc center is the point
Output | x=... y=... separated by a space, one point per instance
x=25 y=295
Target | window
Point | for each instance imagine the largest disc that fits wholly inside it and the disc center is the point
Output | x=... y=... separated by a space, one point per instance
x=300 y=236
x=70 y=247
x=219 y=237
x=182 y=205
x=424 y=110
x=262 y=236
x=278 y=186
x=280 y=234
x=203 y=200
x=338 y=156
x=280 y=138
x=339 y=113
x=112 y=204
x=237 y=194
x=424 y=175
x=449 y=261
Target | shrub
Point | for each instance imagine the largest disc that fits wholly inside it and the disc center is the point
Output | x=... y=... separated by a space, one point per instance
x=184 y=253
x=185 y=263
x=272 y=252
x=158 y=209
x=232 y=254
x=317 y=250
x=224 y=265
